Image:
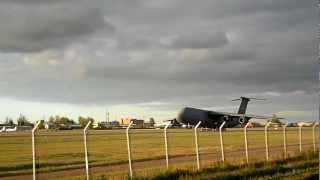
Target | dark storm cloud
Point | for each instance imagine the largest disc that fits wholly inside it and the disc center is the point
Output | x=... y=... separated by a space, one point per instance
x=185 y=52
x=31 y=1
x=35 y=26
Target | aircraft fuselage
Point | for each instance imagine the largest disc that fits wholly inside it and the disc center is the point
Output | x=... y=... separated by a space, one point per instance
x=209 y=119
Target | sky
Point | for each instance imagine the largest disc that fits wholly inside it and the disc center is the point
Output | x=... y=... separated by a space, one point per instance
x=151 y=58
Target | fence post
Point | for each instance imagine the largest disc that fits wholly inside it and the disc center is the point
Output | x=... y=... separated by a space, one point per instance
x=196 y=143
x=300 y=138
x=129 y=150
x=221 y=140
x=246 y=141
x=285 y=140
x=86 y=149
x=34 y=150
x=266 y=139
x=314 y=137
x=166 y=145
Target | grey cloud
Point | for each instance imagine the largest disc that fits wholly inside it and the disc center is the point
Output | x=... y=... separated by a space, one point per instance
x=136 y=43
x=31 y=1
x=40 y=26
x=199 y=40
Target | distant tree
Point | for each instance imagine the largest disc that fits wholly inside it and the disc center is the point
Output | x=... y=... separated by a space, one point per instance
x=41 y=125
x=9 y=121
x=23 y=121
x=84 y=121
x=66 y=121
x=152 y=122
x=57 y=121
x=6 y=121
x=51 y=120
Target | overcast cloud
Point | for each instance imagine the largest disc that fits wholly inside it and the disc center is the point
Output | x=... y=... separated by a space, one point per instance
x=161 y=55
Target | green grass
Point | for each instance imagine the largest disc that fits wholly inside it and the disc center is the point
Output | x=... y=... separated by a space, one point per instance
x=300 y=167
x=57 y=150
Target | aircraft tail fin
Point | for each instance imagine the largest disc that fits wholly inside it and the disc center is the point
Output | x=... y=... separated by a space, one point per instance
x=244 y=103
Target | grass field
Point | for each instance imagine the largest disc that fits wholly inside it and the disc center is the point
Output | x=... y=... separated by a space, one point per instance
x=57 y=150
x=304 y=166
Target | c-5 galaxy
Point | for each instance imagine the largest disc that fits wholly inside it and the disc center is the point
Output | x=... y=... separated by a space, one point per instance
x=213 y=119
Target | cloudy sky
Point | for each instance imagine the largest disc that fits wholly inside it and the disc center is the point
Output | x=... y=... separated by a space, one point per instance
x=150 y=58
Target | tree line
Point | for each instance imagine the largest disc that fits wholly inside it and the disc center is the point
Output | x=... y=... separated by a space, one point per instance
x=54 y=121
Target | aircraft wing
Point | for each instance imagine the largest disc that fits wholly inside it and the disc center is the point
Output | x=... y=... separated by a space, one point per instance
x=262 y=117
x=246 y=115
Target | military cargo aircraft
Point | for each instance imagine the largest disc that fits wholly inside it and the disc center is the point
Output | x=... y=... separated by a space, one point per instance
x=213 y=119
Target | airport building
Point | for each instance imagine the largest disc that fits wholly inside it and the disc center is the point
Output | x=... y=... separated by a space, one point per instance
x=148 y=125
x=137 y=123
x=111 y=124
